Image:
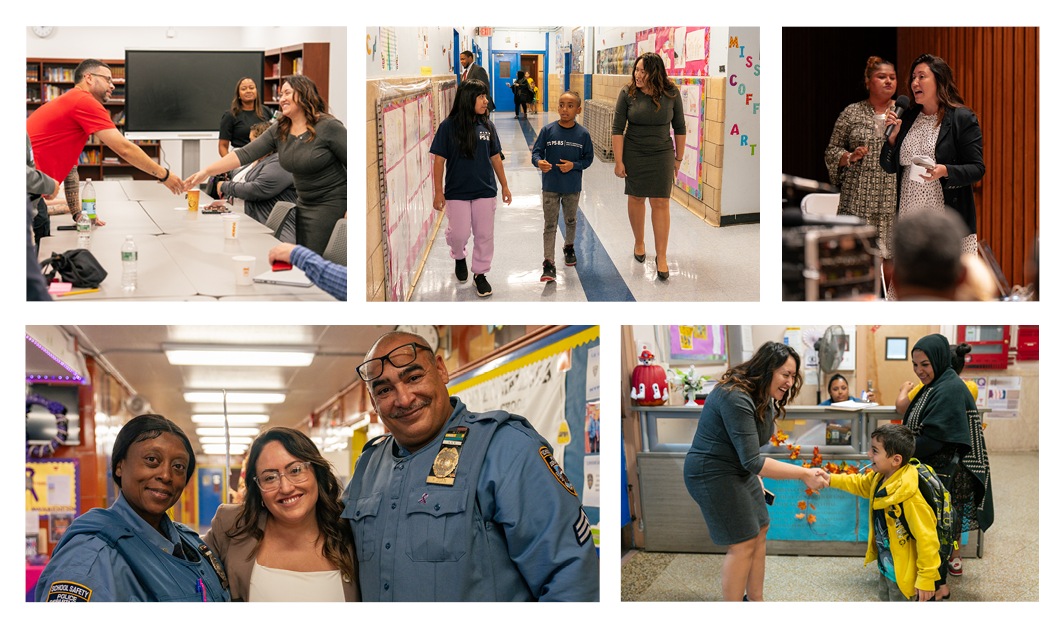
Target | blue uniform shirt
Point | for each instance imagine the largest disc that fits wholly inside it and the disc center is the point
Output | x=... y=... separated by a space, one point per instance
x=510 y=528
x=556 y=143
x=86 y=566
x=467 y=178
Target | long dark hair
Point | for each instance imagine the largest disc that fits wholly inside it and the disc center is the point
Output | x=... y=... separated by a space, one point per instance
x=238 y=105
x=656 y=78
x=335 y=531
x=755 y=376
x=143 y=428
x=948 y=93
x=464 y=118
x=314 y=108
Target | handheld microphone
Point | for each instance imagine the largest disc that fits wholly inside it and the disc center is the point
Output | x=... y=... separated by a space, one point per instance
x=902 y=103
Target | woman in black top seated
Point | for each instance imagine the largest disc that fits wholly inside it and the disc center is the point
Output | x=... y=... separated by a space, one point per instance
x=246 y=111
x=261 y=185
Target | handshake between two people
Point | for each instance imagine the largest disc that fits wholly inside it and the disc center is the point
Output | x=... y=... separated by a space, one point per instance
x=816 y=479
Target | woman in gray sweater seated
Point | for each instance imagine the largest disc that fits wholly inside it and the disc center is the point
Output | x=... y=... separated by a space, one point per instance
x=261 y=185
x=312 y=145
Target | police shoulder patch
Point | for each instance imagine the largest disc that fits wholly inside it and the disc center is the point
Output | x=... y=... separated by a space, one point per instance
x=555 y=468
x=66 y=592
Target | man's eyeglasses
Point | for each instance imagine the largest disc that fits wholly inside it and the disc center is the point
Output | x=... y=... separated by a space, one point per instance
x=398 y=357
x=271 y=480
x=107 y=78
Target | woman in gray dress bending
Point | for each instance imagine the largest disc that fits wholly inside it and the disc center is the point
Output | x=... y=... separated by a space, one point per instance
x=723 y=467
x=644 y=155
x=312 y=145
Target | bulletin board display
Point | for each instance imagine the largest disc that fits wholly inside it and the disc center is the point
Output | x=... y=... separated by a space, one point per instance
x=684 y=50
x=577 y=51
x=695 y=344
x=405 y=129
x=692 y=90
x=52 y=486
x=444 y=95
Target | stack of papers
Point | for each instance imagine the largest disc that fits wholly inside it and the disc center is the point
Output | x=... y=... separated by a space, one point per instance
x=852 y=405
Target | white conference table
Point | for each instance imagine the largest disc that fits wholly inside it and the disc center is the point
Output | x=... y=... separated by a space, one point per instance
x=182 y=255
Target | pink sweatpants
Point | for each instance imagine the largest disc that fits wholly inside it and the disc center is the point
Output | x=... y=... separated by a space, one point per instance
x=475 y=217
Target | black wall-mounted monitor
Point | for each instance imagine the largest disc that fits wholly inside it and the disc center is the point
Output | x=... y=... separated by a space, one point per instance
x=182 y=94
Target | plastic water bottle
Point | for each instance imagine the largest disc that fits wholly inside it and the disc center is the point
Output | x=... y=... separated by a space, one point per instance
x=129 y=263
x=84 y=231
x=88 y=201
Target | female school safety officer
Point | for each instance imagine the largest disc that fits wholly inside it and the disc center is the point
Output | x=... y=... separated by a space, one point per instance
x=132 y=551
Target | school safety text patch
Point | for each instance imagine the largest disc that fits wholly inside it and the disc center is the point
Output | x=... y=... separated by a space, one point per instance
x=68 y=592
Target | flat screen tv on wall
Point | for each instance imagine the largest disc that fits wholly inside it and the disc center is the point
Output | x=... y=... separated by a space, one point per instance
x=182 y=94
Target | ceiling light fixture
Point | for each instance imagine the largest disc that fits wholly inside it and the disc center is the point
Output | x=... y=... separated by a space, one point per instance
x=220 y=440
x=219 y=450
x=234 y=419
x=214 y=355
x=221 y=431
x=237 y=397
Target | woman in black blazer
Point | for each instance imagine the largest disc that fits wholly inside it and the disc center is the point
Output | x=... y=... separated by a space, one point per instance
x=941 y=127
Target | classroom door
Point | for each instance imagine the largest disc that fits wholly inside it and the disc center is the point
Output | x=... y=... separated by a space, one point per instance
x=504 y=71
x=210 y=492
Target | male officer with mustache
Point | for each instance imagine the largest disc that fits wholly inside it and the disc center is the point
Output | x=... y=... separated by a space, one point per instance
x=458 y=506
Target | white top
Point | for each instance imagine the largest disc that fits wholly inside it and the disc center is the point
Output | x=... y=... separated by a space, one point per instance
x=279 y=585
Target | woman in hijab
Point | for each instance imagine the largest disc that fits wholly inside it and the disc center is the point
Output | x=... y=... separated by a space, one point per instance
x=948 y=433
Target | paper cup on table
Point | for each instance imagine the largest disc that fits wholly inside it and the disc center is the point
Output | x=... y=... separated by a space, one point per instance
x=244 y=266
x=231 y=228
x=193 y=199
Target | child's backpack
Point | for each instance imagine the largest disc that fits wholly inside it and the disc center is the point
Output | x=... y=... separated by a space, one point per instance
x=933 y=490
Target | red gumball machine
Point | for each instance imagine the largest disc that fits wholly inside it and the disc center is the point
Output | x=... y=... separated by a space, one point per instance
x=649 y=384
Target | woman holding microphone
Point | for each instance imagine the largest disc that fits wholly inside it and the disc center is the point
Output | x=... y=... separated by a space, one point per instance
x=943 y=134
x=723 y=468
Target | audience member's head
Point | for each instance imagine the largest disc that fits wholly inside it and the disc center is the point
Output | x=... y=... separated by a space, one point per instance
x=927 y=255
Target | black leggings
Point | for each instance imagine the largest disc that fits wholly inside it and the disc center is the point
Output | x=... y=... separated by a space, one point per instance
x=521 y=105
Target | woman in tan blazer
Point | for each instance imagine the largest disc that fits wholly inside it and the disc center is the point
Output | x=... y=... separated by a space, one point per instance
x=286 y=542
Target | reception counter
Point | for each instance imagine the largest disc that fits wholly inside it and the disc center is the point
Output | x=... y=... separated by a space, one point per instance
x=672 y=521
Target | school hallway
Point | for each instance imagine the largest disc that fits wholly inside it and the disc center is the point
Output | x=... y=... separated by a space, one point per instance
x=1008 y=571
x=706 y=263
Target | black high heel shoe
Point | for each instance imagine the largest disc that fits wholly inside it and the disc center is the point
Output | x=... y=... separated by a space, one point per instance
x=639 y=257
x=661 y=275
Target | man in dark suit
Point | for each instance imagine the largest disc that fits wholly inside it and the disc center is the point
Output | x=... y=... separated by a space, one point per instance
x=472 y=70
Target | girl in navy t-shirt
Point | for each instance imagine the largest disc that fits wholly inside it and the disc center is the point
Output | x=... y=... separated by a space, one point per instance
x=467 y=143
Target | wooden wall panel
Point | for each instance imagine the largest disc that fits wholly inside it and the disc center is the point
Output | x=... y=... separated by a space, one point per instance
x=996 y=70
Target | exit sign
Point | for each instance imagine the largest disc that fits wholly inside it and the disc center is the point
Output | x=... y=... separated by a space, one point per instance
x=484 y=31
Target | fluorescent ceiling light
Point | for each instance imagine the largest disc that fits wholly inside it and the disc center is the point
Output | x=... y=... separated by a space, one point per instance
x=232 y=432
x=237 y=358
x=220 y=440
x=234 y=419
x=219 y=450
x=214 y=397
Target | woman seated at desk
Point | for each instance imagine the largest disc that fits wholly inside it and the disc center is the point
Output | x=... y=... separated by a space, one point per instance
x=839 y=390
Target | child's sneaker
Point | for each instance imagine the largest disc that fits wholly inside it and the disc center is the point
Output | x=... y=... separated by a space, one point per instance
x=483 y=288
x=549 y=272
x=570 y=255
x=460 y=270
x=956 y=566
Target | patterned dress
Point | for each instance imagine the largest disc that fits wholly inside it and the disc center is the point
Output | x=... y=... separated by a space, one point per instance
x=868 y=192
x=922 y=196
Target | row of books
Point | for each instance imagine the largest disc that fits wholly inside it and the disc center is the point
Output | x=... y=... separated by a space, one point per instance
x=64 y=74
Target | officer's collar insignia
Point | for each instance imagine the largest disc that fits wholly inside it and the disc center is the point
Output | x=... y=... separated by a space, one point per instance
x=68 y=592
x=555 y=468
x=445 y=466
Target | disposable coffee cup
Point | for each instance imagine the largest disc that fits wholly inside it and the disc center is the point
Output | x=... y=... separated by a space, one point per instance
x=919 y=168
x=244 y=266
x=193 y=199
x=229 y=221
x=880 y=125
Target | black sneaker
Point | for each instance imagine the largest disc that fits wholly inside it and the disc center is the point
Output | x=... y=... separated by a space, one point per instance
x=549 y=272
x=460 y=270
x=483 y=288
x=570 y=255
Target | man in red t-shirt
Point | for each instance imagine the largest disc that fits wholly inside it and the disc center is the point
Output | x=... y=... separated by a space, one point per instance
x=59 y=129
